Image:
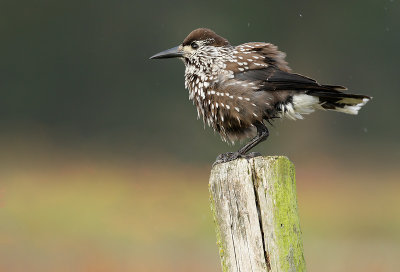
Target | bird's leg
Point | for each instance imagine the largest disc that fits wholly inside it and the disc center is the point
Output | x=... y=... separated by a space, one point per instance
x=262 y=135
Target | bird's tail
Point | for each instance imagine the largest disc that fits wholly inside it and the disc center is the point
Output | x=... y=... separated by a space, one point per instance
x=331 y=98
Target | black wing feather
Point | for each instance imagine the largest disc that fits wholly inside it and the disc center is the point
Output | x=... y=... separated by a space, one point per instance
x=274 y=79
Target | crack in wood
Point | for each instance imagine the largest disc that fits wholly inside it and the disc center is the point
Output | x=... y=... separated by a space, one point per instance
x=253 y=179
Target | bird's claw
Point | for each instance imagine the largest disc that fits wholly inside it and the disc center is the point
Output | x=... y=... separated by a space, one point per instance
x=227 y=157
x=231 y=156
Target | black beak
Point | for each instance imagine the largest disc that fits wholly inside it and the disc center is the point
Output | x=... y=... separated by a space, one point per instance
x=170 y=53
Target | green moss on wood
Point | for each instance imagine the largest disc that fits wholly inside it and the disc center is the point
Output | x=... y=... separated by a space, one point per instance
x=220 y=244
x=287 y=223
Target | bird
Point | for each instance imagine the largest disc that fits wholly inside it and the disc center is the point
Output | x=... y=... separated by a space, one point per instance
x=238 y=89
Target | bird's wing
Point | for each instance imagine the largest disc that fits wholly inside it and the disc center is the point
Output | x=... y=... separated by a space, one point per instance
x=273 y=79
x=265 y=64
x=257 y=55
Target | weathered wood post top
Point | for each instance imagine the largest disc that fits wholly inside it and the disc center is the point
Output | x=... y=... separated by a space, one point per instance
x=254 y=205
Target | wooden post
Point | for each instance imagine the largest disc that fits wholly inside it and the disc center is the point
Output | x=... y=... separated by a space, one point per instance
x=255 y=211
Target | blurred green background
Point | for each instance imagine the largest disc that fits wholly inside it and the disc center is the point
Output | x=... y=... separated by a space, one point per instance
x=104 y=167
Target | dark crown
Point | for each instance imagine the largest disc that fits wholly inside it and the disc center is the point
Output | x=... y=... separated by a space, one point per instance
x=205 y=34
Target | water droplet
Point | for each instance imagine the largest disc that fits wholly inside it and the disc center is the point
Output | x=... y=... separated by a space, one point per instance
x=248 y=24
x=365 y=130
x=301 y=15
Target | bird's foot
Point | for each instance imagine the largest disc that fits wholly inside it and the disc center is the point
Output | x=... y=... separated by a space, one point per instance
x=227 y=157
x=231 y=156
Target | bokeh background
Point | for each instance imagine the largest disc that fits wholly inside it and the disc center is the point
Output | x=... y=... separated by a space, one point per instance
x=104 y=167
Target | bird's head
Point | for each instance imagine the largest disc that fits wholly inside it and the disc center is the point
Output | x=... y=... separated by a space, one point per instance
x=201 y=42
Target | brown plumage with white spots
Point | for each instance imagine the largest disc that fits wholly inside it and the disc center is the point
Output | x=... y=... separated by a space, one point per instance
x=236 y=88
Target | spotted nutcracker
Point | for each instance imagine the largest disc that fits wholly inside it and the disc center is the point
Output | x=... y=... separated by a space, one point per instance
x=237 y=88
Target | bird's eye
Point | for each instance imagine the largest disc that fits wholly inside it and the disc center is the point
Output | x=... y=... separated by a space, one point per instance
x=194 y=45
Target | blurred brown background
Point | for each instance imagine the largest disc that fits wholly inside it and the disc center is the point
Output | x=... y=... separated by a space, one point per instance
x=104 y=167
